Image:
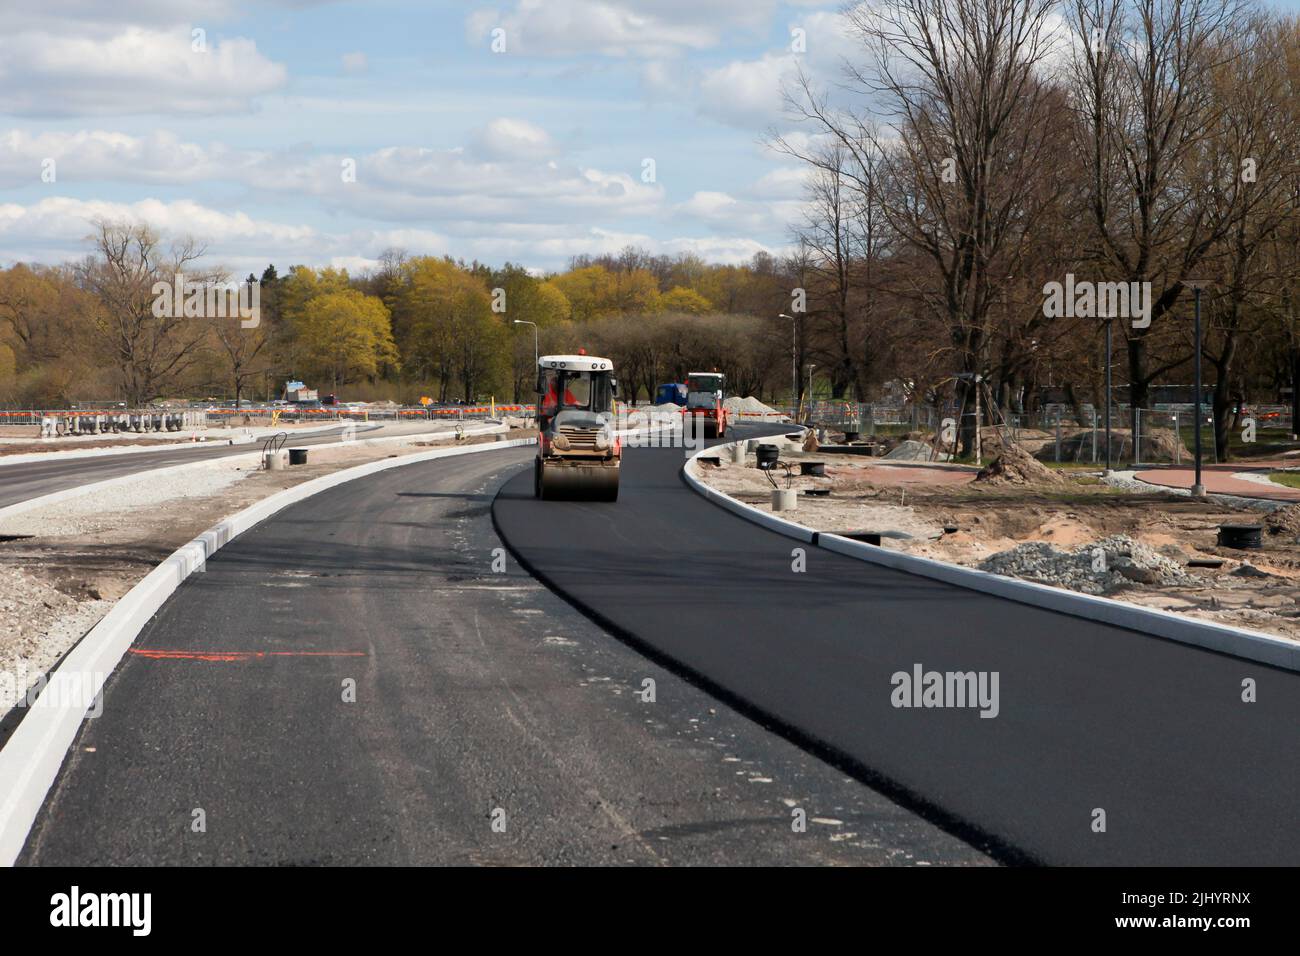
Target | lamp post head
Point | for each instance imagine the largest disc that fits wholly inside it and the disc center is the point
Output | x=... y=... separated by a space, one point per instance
x=1197 y=284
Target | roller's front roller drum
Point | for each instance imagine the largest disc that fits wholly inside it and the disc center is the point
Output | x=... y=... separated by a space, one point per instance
x=556 y=482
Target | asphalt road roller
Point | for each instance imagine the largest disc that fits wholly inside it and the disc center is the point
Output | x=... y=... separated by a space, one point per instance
x=578 y=451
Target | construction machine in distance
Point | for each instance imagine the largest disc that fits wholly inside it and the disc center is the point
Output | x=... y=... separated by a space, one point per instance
x=673 y=393
x=705 y=393
x=578 y=450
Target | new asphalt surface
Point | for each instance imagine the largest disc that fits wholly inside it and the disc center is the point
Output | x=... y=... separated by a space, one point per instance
x=1108 y=746
x=369 y=678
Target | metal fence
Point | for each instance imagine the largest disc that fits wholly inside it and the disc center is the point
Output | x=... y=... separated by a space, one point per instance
x=866 y=418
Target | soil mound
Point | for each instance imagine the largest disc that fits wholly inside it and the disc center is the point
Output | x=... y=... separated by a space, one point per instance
x=1017 y=467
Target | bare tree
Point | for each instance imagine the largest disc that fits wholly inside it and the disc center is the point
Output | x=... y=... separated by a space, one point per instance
x=973 y=121
x=151 y=352
x=1142 y=84
x=1250 y=168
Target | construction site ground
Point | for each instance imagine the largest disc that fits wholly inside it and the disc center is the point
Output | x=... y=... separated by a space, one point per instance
x=1070 y=510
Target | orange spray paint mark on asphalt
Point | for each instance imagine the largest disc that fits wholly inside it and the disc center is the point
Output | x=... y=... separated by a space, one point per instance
x=233 y=656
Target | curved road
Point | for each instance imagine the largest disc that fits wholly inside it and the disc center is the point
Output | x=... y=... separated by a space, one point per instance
x=353 y=682
x=1097 y=725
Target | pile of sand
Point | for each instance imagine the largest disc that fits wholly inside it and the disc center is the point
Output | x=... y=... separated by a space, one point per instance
x=1017 y=467
x=749 y=404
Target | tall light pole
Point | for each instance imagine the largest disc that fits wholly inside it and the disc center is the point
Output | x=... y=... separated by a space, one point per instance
x=534 y=325
x=810 y=389
x=794 y=365
x=1196 y=285
x=1109 y=323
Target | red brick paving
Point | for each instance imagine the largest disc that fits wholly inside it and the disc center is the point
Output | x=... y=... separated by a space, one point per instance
x=1218 y=480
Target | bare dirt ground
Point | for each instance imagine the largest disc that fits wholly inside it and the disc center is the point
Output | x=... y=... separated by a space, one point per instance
x=64 y=565
x=1256 y=589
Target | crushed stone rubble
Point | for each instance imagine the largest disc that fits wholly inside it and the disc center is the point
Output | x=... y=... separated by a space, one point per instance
x=749 y=404
x=1122 y=563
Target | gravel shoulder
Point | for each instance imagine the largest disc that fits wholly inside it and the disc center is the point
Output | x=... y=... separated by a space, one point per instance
x=63 y=565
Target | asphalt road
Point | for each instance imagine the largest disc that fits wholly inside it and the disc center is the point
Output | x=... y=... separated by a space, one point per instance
x=1097 y=726
x=24 y=480
x=475 y=692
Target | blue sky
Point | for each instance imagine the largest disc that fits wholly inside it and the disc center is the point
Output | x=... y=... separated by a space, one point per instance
x=533 y=154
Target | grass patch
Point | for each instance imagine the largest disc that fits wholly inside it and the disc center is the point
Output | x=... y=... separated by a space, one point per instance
x=1290 y=479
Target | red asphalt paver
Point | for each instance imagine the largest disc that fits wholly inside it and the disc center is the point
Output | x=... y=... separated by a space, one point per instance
x=1219 y=480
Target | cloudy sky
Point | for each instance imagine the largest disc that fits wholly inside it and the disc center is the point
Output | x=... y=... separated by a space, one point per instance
x=531 y=154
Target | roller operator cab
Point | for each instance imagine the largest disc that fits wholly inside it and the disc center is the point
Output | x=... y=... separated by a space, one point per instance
x=705 y=393
x=578 y=452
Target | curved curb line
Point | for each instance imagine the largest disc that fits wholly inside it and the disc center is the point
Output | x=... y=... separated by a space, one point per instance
x=76 y=454
x=54 y=497
x=30 y=760
x=1150 y=622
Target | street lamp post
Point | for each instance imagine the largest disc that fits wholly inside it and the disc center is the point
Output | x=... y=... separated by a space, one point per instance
x=534 y=325
x=535 y=342
x=1109 y=323
x=1196 y=285
x=810 y=389
x=794 y=365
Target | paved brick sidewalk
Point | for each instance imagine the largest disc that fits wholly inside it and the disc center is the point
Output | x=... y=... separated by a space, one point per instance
x=1218 y=479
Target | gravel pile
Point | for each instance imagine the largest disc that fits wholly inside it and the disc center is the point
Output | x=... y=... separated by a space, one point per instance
x=909 y=450
x=37 y=624
x=1122 y=563
x=748 y=404
x=1285 y=521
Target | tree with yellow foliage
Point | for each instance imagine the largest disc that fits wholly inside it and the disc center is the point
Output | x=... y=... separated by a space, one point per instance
x=684 y=300
x=343 y=336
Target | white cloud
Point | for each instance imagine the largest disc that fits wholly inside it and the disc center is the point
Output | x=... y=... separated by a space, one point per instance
x=98 y=155
x=57 y=229
x=507 y=174
x=619 y=28
x=749 y=93
x=746 y=92
x=725 y=213
x=784 y=182
x=355 y=63
x=135 y=70
x=512 y=139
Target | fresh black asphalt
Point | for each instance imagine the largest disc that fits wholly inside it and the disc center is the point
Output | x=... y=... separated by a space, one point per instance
x=479 y=697
x=1097 y=725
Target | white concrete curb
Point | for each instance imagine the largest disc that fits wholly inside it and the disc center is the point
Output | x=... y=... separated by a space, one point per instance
x=31 y=758
x=71 y=454
x=1238 y=642
x=54 y=497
